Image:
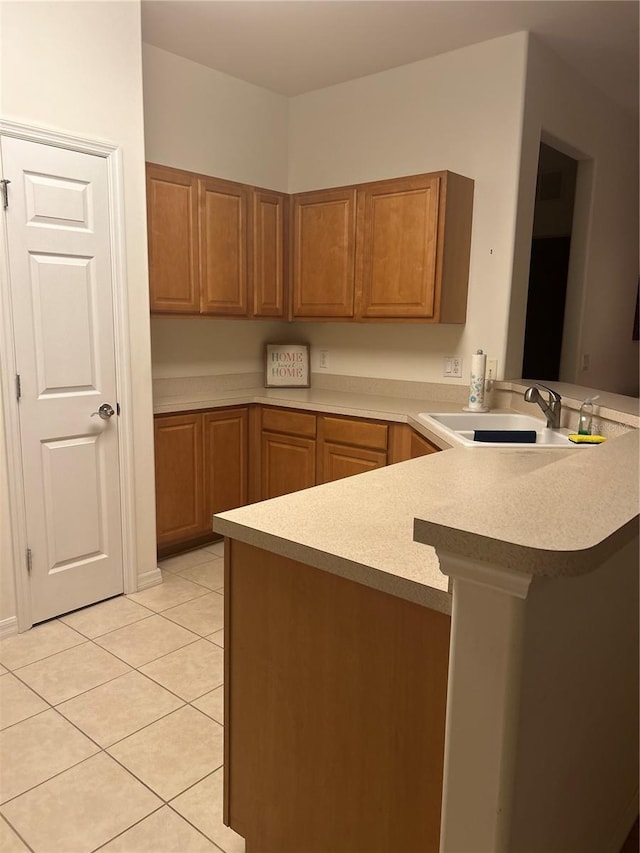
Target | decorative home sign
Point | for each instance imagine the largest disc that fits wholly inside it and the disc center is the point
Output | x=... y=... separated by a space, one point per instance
x=286 y=365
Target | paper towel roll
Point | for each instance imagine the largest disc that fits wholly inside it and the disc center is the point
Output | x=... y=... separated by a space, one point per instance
x=476 y=383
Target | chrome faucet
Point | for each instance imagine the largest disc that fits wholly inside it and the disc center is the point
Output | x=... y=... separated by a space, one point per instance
x=552 y=409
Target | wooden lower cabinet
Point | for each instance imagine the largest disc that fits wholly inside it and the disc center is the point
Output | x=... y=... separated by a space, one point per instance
x=339 y=460
x=226 y=463
x=288 y=464
x=286 y=451
x=201 y=464
x=335 y=698
x=209 y=462
x=348 y=446
x=405 y=443
x=179 y=478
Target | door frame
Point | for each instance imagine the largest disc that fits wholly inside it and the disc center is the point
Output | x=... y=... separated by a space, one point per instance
x=112 y=155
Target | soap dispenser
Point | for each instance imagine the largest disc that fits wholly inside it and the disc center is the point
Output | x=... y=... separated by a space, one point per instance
x=586 y=416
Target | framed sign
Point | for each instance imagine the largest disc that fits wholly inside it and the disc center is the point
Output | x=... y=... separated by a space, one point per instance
x=286 y=365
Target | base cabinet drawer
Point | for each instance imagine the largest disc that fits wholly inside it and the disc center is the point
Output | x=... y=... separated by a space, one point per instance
x=359 y=433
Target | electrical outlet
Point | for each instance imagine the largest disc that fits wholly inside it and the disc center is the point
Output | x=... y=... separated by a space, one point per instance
x=492 y=369
x=323 y=363
x=452 y=366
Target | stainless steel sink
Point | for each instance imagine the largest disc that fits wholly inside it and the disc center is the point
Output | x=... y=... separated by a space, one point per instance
x=460 y=427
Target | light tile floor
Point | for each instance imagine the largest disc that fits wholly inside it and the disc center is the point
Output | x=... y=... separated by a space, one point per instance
x=111 y=722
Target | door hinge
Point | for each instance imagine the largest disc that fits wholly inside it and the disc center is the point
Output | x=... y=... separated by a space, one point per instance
x=18 y=387
x=117 y=408
x=29 y=560
x=5 y=194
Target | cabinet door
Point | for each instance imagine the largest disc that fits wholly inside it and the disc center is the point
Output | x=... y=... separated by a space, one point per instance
x=179 y=481
x=225 y=461
x=223 y=247
x=288 y=464
x=405 y=443
x=420 y=446
x=323 y=248
x=172 y=215
x=340 y=460
x=267 y=253
x=397 y=244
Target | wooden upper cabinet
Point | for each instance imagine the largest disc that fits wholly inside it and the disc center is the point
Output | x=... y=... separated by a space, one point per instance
x=267 y=252
x=172 y=216
x=397 y=236
x=323 y=253
x=223 y=247
x=393 y=250
x=414 y=240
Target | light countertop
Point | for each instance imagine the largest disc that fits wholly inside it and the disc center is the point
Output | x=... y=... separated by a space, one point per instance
x=543 y=512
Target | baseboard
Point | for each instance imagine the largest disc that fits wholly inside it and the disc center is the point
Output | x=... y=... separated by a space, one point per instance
x=148 y=579
x=8 y=627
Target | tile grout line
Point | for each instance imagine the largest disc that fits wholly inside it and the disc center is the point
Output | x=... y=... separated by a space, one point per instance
x=11 y=826
x=100 y=749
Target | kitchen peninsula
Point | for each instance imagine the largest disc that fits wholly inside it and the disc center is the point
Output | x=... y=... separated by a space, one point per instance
x=340 y=667
x=409 y=647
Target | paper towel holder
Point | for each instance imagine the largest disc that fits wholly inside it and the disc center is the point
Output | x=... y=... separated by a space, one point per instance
x=477 y=383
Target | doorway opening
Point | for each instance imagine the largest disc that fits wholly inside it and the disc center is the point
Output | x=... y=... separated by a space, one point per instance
x=549 y=265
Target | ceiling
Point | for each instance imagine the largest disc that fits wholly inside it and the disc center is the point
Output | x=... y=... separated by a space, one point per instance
x=296 y=46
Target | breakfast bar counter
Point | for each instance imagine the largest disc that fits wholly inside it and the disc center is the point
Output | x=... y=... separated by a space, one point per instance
x=339 y=646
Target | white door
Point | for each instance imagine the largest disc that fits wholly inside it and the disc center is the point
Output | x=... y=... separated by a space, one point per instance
x=60 y=266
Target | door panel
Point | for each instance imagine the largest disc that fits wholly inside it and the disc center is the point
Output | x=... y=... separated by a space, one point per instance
x=268 y=211
x=59 y=243
x=399 y=222
x=73 y=492
x=223 y=248
x=288 y=464
x=179 y=477
x=339 y=461
x=324 y=253
x=225 y=461
x=172 y=217
x=64 y=342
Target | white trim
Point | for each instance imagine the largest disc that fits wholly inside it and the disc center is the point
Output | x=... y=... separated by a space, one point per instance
x=494 y=577
x=483 y=699
x=148 y=579
x=113 y=157
x=56 y=138
x=8 y=627
x=123 y=370
x=13 y=452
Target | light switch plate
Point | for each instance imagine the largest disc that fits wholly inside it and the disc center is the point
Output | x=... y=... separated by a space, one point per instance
x=452 y=366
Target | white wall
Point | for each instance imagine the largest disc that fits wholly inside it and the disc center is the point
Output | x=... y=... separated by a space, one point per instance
x=461 y=111
x=205 y=121
x=76 y=67
x=571 y=115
